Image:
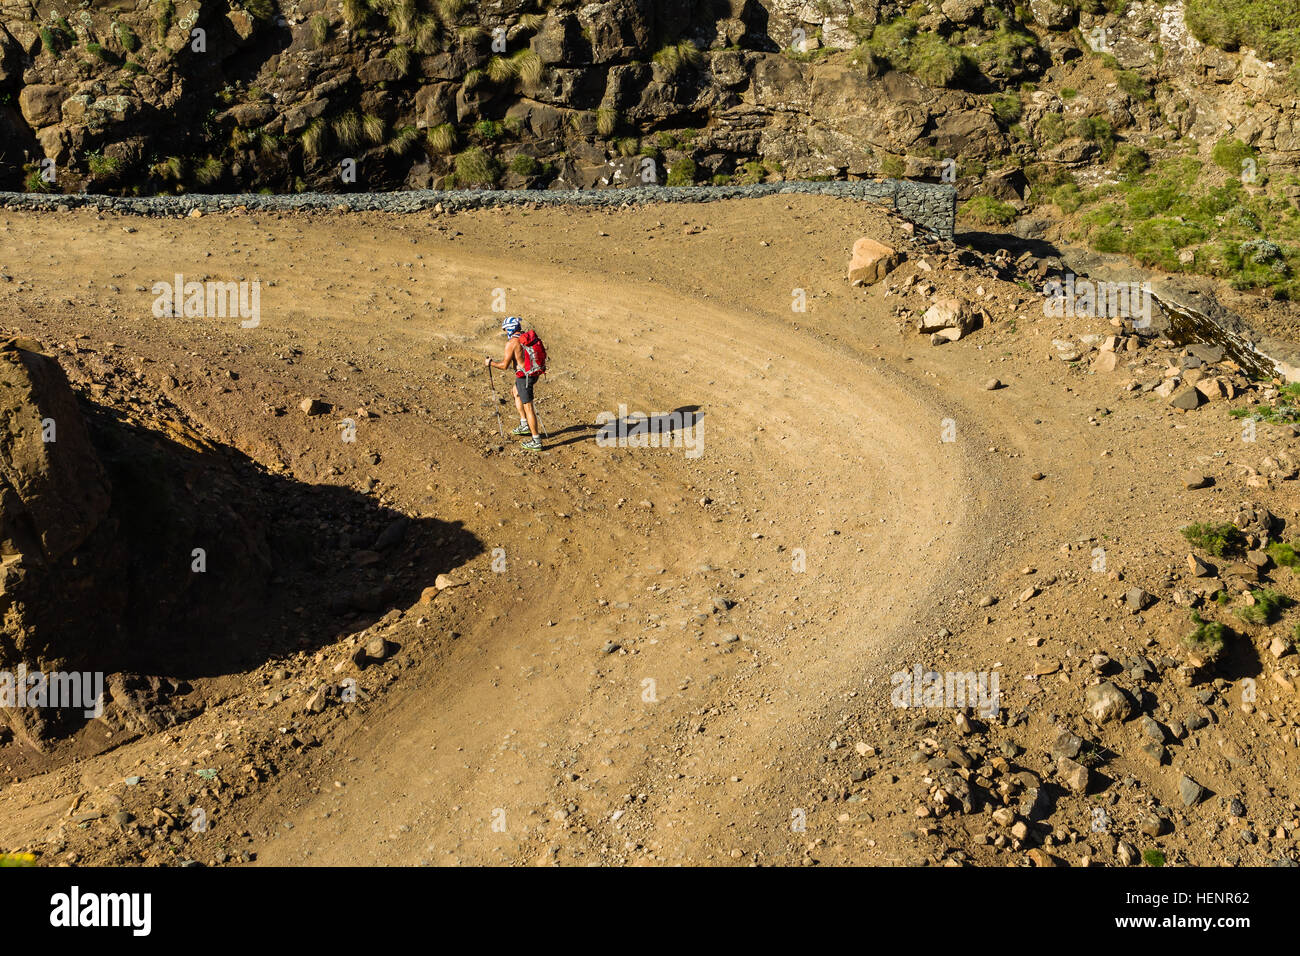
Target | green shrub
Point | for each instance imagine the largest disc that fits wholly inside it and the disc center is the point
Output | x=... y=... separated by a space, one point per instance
x=258 y=9
x=929 y=57
x=102 y=54
x=1229 y=153
x=528 y=67
x=1131 y=161
x=1051 y=129
x=35 y=182
x=1219 y=540
x=126 y=37
x=752 y=172
x=373 y=128
x=989 y=211
x=427 y=35
x=935 y=63
x=1208 y=638
x=489 y=130
x=682 y=173
x=1097 y=130
x=606 y=121
x=314 y=137
x=1009 y=53
x=320 y=29
x=524 y=165
x=402 y=16
x=1283 y=555
x=1132 y=83
x=404 y=139
x=1271 y=27
x=355 y=13
x=101 y=165
x=501 y=69
x=163 y=19
x=208 y=171
x=1068 y=198
x=1268 y=606
x=476 y=167
x=1006 y=107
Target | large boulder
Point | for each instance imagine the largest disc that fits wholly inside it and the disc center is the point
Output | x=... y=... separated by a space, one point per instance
x=950 y=316
x=871 y=261
x=41 y=104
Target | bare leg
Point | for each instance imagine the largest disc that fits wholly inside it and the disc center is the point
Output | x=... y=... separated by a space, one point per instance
x=532 y=418
x=519 y=406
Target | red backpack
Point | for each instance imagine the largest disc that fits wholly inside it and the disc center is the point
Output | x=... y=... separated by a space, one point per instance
x=534 y=355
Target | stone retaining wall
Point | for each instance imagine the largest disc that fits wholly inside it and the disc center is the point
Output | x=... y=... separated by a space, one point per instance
x=929 y=205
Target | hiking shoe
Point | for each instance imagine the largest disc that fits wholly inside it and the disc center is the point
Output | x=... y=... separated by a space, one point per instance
x=533 y=444
x=522 y=430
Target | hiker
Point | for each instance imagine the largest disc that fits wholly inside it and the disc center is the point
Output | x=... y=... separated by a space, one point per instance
x=526 y=354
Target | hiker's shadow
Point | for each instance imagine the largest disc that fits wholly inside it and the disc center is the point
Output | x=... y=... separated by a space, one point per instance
x=629 y=430
x=637 y=430
x=579 y=433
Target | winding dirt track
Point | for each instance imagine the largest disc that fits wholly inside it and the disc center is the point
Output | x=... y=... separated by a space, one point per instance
x=522 y=741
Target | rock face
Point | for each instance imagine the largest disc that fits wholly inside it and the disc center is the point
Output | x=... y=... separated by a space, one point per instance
x=56 y=531
x=272 y=97
x=568 y=88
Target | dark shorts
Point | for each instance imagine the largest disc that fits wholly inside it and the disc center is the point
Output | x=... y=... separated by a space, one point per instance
x=525 y=386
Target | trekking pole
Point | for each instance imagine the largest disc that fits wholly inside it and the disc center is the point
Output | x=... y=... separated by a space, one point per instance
x=496 y=403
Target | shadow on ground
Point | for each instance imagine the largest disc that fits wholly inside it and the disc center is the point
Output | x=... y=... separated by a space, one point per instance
x=224 y=566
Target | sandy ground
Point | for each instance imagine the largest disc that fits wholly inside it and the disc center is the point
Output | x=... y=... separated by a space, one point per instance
x=522 y=739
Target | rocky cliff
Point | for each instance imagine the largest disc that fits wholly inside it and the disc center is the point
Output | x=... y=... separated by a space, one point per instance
x=211 y=96
x=1013 y=102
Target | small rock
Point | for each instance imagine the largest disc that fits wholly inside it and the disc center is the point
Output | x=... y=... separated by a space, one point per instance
x=1073 y=774
x=1138 y=600
x=1106 y=702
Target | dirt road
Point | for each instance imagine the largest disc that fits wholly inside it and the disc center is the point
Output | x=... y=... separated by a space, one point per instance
x=655 y=650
